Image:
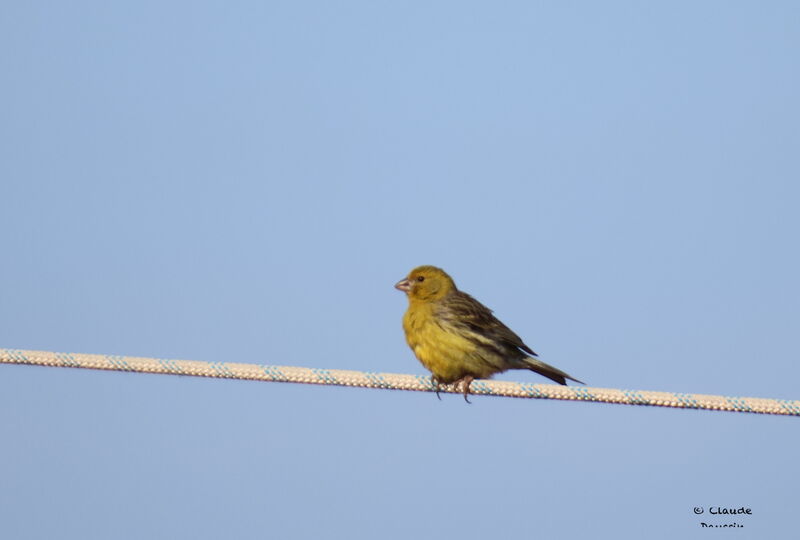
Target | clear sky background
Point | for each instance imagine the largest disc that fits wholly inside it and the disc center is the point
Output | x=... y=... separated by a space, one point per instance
x=245 y=182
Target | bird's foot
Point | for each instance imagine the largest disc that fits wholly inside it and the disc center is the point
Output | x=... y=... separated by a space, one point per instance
x=437 y=386
x=464 y=383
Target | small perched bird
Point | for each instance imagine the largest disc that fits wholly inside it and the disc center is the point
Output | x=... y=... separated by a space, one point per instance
x=457 y=338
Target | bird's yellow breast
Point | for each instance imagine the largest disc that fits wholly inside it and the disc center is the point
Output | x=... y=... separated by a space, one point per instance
x=444 y=352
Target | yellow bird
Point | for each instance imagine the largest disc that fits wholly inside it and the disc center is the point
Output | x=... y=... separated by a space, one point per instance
x=457 y=338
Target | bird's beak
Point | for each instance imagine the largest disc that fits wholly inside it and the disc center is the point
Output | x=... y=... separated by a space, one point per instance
x=403 y=285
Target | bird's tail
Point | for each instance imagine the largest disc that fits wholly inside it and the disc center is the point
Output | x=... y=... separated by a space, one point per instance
x=552 y=373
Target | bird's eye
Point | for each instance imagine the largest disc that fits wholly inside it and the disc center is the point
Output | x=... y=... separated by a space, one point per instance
x=421 y=278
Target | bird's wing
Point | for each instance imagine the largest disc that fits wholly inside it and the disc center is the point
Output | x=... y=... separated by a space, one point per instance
x=462 y=310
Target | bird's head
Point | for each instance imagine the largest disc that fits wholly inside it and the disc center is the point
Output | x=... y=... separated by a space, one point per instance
x=426 y=283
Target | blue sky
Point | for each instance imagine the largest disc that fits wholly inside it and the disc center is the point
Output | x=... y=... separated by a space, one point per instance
x=246 y=181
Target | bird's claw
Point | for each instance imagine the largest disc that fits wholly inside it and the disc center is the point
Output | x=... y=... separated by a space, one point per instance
x=437 y=386
x=461 y=385
x=464 y=383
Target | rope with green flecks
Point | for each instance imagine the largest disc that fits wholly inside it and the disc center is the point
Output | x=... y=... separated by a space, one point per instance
x=396 y=381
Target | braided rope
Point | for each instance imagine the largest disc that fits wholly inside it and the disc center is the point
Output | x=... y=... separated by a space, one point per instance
x=395 y=381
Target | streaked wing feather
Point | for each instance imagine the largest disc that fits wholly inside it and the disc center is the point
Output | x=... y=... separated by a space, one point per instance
x=460 y=309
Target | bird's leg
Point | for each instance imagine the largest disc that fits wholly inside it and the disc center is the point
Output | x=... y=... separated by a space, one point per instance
x=436 y=385
x=464 y=382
